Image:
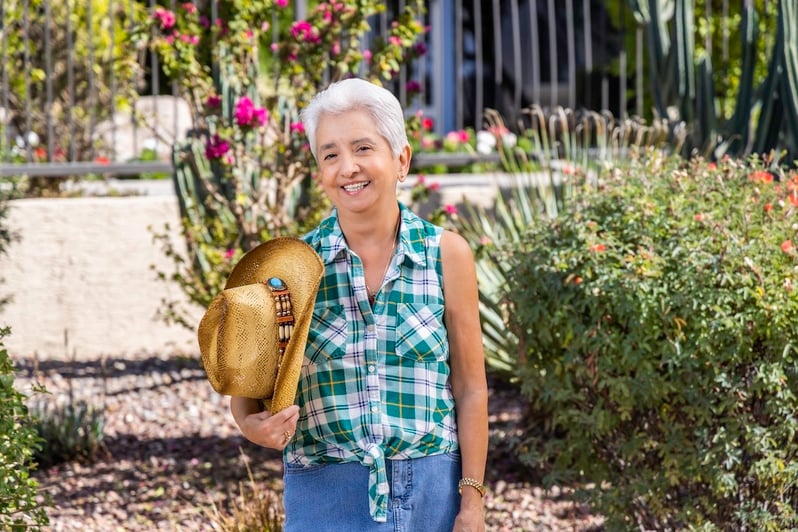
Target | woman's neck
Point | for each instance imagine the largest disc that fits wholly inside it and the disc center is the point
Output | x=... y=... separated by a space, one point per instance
x=365 y=230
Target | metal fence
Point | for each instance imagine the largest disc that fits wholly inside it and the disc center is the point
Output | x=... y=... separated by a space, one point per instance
x=67 y=76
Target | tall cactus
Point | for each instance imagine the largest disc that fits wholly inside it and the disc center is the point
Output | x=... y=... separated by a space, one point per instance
x=680 y=80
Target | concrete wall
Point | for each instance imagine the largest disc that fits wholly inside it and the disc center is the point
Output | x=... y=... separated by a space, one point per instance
x=81 y=275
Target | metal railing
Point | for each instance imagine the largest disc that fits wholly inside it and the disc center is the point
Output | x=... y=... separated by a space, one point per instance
x=66 y=104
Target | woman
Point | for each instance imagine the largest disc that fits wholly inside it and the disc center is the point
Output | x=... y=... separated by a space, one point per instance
x=390 y=430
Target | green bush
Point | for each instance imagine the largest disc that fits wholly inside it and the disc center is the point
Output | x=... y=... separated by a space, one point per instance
x=659 y=317
x=550 y=163
x=19 y=506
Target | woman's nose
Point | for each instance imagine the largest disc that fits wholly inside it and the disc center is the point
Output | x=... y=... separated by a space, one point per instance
x=349 y=166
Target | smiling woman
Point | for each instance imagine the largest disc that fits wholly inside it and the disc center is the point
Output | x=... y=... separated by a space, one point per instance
x=393 y=385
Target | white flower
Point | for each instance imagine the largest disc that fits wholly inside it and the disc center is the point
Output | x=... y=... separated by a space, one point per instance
x=33 y=139
x=509 y=139
x=486 y=142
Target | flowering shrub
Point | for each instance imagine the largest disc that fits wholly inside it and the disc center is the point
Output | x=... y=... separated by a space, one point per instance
x=659 y=319
x=247 y=68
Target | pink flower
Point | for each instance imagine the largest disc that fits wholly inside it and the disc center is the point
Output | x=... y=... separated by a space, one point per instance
x=302 y=29
x=394 y=40
x=205 y=22
x=434 y=186
x=166 y=18
x=413 y=86
x=787 y=246
x=281 y=3
x=428 y=143
x=450 y=209
x=245 y=111
x=216 y=148
x=274 y=47
x=213 y=101
x=427 y=124
x=297 y=127
x=367 y=55
x=261 y=116
x=229 y=253
x=189 y=7
x=420 y=48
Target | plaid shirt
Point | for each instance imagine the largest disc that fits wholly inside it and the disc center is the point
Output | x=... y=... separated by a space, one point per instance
x=375 y=379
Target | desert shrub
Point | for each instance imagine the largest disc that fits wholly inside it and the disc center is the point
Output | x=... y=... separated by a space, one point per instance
x=20 y=507
x=556 y=157
x=73 y=430
x=255 y=508
x=659 y=319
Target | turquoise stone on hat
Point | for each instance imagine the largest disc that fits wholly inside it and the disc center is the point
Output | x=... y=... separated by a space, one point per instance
x=275 y=283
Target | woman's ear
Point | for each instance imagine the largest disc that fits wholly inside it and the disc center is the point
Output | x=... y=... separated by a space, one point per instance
x=405 y=157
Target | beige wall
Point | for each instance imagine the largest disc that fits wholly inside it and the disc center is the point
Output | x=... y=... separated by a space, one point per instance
x=82 y=268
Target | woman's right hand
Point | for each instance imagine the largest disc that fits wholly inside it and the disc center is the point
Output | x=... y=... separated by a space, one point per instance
x=270 y=430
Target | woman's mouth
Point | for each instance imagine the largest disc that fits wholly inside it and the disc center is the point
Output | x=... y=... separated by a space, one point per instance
x=355 y=187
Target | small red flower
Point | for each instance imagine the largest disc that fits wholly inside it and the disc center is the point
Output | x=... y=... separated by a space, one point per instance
x=450 y=209
x=768 y=207
x=787 y=246
x=698 y=217
x=761 y=176
x=712 y=166
x=597 y=248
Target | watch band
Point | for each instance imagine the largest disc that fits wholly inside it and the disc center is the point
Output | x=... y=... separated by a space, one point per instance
x=466 y=481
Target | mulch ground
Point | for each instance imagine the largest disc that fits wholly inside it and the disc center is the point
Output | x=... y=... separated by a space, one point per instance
x=172 y=456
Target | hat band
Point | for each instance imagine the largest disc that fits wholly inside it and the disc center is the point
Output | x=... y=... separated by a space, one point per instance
x=284 y=314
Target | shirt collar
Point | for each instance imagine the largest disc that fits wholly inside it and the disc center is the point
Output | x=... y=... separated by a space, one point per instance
x=411 y=238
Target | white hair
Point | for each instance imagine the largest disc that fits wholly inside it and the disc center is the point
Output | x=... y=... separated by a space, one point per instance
x=357 y=94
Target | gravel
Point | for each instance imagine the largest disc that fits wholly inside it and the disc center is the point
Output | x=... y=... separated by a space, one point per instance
x=172 y=456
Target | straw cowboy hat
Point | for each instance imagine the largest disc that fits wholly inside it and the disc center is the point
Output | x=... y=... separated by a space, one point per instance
x=252 y=337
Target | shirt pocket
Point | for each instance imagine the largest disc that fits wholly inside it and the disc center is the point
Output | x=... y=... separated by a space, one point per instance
x=327 y=335
x=420 y=333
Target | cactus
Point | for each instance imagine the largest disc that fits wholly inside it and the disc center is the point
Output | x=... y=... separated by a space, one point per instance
x=680 y=80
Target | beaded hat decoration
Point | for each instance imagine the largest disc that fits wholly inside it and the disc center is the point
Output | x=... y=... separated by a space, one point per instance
x=252 y=336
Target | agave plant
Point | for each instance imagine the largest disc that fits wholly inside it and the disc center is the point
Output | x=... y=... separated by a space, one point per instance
x=558 y=157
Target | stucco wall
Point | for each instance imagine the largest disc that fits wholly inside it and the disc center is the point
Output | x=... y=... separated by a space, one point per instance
x=81 y=277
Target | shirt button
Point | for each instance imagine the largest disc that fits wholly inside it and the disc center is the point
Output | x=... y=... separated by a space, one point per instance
x=372 y=369
x=375 y=409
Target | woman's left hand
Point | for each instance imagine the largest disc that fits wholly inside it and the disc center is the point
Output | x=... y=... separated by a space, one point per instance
x=470 y=520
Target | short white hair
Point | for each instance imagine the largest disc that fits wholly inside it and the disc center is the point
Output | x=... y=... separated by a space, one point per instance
x=358 y=94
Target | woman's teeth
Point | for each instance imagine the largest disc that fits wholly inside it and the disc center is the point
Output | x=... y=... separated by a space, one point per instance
x=355 y=187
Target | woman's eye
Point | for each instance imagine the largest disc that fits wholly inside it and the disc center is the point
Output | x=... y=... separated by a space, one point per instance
x=329 y=156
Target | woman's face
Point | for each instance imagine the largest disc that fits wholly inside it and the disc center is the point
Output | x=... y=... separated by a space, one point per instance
x=357 y=169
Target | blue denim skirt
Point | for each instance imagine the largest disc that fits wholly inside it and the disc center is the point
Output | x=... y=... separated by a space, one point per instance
x=334 y=497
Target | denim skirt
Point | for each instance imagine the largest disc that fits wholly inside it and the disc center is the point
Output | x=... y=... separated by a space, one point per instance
x=334 y=497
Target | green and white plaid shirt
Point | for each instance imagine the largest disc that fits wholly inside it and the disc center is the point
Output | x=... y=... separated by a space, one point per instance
x=375 y=380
